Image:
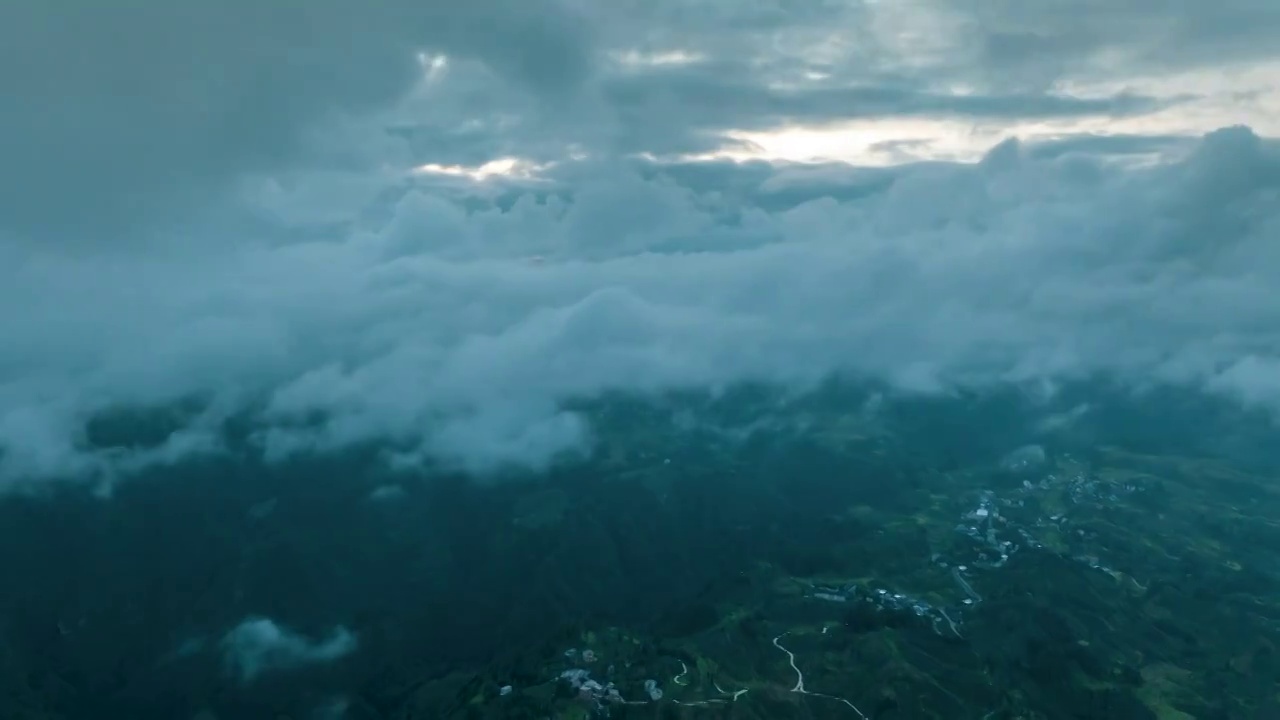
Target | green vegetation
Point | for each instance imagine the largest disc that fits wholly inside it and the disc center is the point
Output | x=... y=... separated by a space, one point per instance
x=721 y=548
x=1150 y=597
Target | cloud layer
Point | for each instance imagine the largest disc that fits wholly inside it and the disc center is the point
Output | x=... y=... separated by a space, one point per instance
x=266 y=253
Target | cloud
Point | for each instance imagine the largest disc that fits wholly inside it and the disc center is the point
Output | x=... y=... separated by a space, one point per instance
x=432 y=329
x=142 y=117
x=1091 y=36
x=323 y=292
x=671 y=111
x=126 y=110
x=677 y=80
x=258 y=645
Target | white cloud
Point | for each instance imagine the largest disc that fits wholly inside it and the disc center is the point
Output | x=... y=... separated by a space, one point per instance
x=440 y=335
x=258 y=645
x=333 y=296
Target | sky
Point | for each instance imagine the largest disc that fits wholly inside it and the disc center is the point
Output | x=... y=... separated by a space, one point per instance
x=432 y=223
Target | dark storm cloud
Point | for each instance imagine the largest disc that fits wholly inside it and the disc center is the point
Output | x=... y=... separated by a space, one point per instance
x=1148 y=34
x=119 y=113
x=112 y=111
x=703 y=98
